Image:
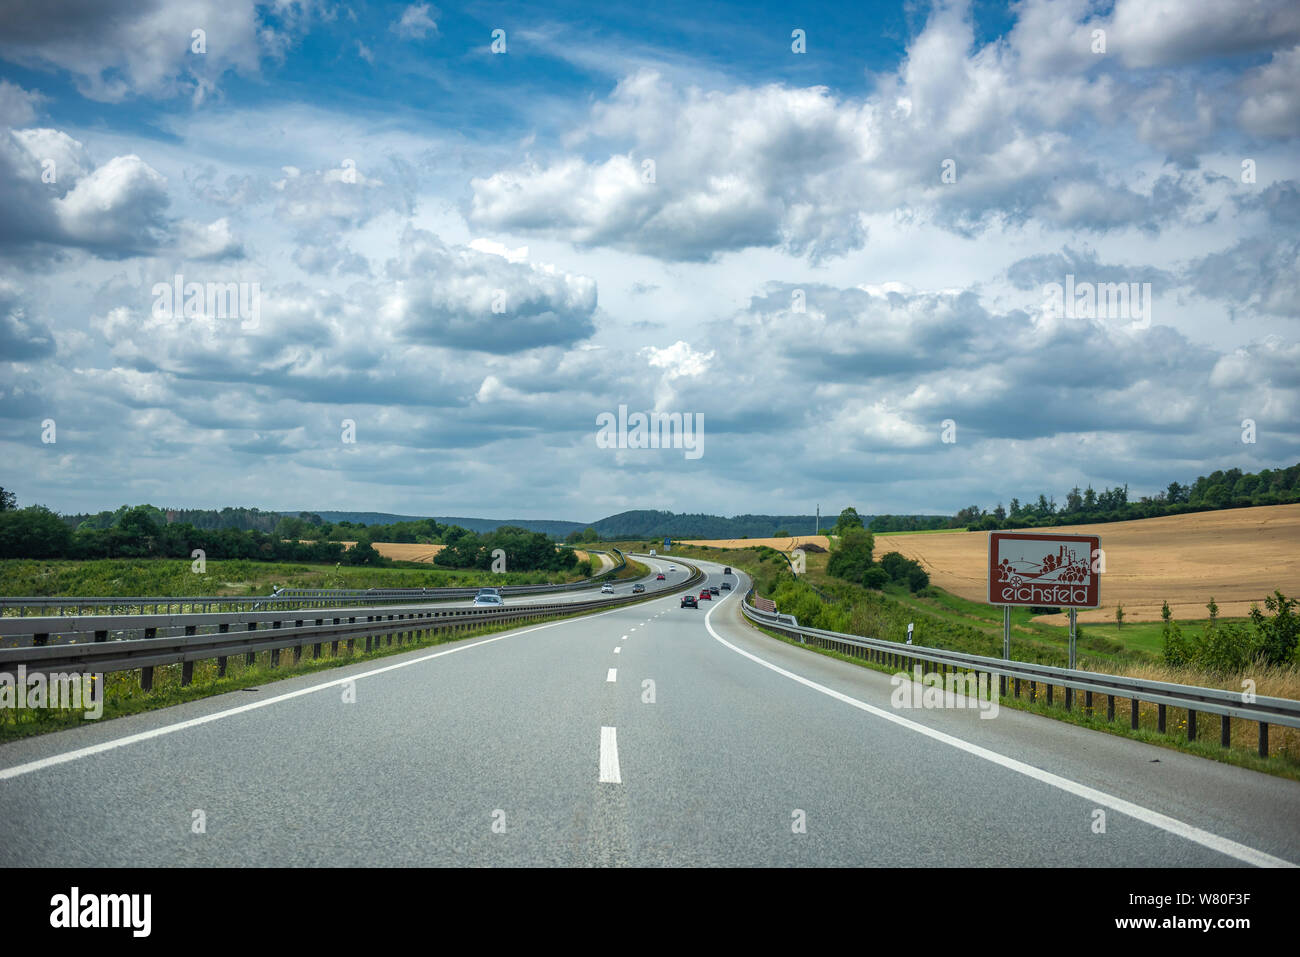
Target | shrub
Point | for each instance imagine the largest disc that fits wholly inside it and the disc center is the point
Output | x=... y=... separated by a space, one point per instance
x=875 y=577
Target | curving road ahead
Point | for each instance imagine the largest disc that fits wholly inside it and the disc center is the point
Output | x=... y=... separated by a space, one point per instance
x=646 y=735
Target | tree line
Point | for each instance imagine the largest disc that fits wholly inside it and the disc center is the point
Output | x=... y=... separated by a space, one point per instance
x=143 y=531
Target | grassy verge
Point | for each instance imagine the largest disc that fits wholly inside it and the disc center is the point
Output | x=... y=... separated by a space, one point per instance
x=162 y=576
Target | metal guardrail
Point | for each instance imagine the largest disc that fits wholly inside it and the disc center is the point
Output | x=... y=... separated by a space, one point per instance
x=283 y=599
x=103 y=656
x=1164 y=694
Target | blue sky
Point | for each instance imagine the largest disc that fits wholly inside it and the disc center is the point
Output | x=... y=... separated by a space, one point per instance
x=472 y=256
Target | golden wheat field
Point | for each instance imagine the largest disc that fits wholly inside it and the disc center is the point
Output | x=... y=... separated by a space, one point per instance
x=403 y=551
x=1237 y=556
x=780 y=544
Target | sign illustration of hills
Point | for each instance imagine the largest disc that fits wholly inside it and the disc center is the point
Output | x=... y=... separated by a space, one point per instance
x=1027 y=569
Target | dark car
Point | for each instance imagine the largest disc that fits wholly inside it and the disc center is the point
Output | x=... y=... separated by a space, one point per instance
x=659 y=577
x=727 y=570
x=638 y=588
x=713 y=589
x=705 y=595
x=726 y=586
x=688 y=601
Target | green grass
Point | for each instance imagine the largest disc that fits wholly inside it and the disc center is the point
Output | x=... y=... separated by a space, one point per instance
x=162 y=576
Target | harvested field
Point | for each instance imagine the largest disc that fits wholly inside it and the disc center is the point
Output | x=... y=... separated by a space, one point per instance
x=1237 y=556
x=780 y=544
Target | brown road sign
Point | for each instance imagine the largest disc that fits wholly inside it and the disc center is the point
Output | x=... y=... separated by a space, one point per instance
x=1061 y=570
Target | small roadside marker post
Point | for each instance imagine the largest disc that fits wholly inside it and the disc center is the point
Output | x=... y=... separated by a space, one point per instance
x=1074 y=619
x=909 y=632
x=1006 y=645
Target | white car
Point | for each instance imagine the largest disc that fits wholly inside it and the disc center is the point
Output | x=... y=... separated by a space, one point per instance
x=488 y=596
x=607 y=589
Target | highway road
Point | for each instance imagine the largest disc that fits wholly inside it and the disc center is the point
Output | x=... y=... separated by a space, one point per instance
x=645 y=735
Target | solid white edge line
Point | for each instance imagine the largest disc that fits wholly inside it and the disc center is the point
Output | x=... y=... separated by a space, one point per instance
x=609 y=769
x=1214 y=842
x=56 y=759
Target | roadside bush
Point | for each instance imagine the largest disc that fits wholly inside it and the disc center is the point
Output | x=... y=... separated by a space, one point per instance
x=875 y=577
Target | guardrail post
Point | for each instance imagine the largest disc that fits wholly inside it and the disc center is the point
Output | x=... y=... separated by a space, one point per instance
x=223 y=628
x=1225 y=730
x=1017 y=682
x=1069 y=697
x=252 y=655
x=101 y=636
x=1191 y=725
x=1263 y=739
x=1033 y=691
x=1087 y=703
x=41 y=640
x=1049 y=694
x=1160 y=718
x=1133 y=713
x=187 y=667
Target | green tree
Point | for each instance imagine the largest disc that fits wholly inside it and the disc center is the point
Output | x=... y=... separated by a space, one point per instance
x=34 y=532
x=1277 y=635
x=849 y=518
x=1175 y=649
x=8 y=501
x=589 y=534
x=1119 y=615
x=852 y=557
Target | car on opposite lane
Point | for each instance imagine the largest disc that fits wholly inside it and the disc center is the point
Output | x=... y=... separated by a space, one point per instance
x=638 y=588
x=488 y=596
x=607 y=589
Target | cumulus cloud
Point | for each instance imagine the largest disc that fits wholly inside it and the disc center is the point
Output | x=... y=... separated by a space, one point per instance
x=963 y=135
x=22 y=337
x=136 y=47
x=463 y=298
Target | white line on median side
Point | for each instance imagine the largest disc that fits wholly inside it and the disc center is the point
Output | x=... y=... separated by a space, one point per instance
x=613 y=675
x=1171 y=825
x=609 y=773
x=617 y=649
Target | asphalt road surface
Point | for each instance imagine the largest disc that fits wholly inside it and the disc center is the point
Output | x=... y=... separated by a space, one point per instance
x=647 y=735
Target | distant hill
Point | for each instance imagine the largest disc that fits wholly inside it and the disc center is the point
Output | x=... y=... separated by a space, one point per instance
x=645 y=523
x=638 y=523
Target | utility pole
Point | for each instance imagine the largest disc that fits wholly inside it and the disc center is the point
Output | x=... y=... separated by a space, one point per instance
x=817 y=525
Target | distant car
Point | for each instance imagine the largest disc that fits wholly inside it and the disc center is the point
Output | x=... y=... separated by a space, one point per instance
x=705 y=596
x=659 y=577
x=638 y=588
x=672 y=568
x=607 y=589
x=726 y=586
x=688 y=601
x=713 y=589
x=488 y=596
x=727 y=570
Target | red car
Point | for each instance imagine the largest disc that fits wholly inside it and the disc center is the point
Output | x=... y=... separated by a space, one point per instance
x=705 y=596
x=659 y=577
